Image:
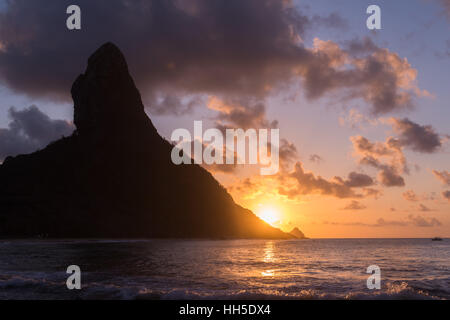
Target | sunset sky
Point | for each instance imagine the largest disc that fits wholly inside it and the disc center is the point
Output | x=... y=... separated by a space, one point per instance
x=363 y=115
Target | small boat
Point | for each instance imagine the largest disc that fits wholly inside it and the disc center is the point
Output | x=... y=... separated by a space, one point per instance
x=436 y=239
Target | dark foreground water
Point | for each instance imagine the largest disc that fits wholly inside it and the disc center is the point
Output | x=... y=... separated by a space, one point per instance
x=229 y=269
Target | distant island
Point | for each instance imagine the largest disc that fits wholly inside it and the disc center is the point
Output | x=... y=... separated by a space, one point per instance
x=297 y=233
x=113 y=177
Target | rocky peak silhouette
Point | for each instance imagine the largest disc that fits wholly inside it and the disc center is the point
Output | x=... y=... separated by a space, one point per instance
x=106 y=100
x=113 y=178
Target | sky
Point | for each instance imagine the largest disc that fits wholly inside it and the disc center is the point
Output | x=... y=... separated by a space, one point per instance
x=363 y=114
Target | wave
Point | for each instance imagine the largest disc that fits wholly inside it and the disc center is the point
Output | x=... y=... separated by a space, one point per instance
x=23 y=287
x=27 y=288
x=400 y=291
x=43 y=285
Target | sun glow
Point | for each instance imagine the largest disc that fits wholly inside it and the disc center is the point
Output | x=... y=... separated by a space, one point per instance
x=269 y=215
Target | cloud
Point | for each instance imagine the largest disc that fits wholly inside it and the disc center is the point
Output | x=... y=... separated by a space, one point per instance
x=194 y=47
x=249 y=114
x=386 y=156
x=355 y=119
x=419 y=221
x=410 y=195
x=308 y=183
x=386 y=223
x=381 y=222
x=443 y=176
x=374 y=152
x=240 y=113
x=371 y=192
x=214 y=167
x=416 y=221
x=354 y=205
x=288 y=154
x=29 y=130
x=298 y=183
x=184 y=48
x=246 y=186
x=446 y=194
x=315 y=158
x=175 y=104
x=381 y=78
x=357 y=180
x=419 y=138
x=360 y=46
x=424 y=208
x=389 y=178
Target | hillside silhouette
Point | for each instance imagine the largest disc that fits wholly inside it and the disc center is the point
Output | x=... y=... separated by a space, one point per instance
x=113 y=177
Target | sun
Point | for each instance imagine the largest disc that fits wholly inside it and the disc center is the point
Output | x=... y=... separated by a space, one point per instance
x=269 y=215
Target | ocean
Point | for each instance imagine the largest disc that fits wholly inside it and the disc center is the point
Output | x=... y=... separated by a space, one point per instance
x=225 y=269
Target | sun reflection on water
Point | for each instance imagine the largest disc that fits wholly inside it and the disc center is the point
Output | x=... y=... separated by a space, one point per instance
x=269 y=257
x=269 y=252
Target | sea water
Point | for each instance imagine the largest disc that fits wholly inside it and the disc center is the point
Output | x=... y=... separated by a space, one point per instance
x=225 y=269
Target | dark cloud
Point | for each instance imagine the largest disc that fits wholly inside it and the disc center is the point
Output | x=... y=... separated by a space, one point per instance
x=354 y=205
x=387 y=157
x=360 y=46
x=223 y=48
x=377 y=150
x=198 y=46
x=308 y=183
x=443 y=176
x=29 y=130
x=287 y=153
x=446 y=194
x=381 y=77
x=357 y=180
x=389 y=177
x=419 y=138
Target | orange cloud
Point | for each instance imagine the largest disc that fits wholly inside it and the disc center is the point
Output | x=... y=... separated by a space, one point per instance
x=443 y=176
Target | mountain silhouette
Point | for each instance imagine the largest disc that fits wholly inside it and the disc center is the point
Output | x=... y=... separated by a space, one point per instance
x=113 y=177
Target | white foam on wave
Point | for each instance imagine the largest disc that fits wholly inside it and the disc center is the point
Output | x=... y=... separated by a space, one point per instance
x=43 y=287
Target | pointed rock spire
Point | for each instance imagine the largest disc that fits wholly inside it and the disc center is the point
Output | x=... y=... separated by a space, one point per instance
x=106 y=100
